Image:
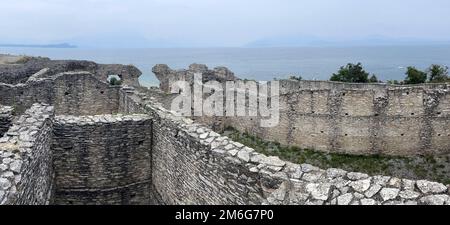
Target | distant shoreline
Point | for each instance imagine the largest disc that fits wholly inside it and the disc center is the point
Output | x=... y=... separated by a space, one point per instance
x=64 y=45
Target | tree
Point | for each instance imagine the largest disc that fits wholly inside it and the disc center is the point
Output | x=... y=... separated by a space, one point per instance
x=438 y=73
x=299 y=78
x=351 y=73
x=373 y=79
x=415 y=76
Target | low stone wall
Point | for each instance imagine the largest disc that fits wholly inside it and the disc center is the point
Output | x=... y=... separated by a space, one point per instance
x=26 y=172
x=6 y=117
x=102 y=159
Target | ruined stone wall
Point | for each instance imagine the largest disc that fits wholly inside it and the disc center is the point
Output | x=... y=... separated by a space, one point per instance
x=168 y=76
x=6 y=117
x=102 y=159
x=20 y=73
x=72 y=93
x=361 y=119
x=26 y=172
x=163 y=159
x=191 y=164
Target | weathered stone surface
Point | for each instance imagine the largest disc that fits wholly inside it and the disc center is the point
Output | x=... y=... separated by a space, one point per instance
x=368 y=201
x=435 y=200
x=409 y=194
x=373 y=190
x=244 y=155
x=273 y=161
x=345 y=199
x=4 y=184
x=389 y=193
x=334 y=173
x=428 y=187
x=357 y=176
x=319 y=191
x=361 y=185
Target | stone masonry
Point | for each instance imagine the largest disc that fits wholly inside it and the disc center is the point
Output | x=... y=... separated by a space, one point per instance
x=129 y=149
x=6 y=116
x=359 y=119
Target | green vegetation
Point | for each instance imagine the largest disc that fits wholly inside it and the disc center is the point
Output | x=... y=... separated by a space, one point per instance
x=431 y=168
x=438 y=74
x=114 y=81
x=415 y=76
x=373 y=79
x=297 y=78
x=353 y=73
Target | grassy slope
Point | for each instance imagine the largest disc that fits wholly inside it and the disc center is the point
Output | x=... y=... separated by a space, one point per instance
x=430 y=168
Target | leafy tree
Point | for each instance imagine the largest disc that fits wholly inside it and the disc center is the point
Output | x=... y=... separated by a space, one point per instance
x=351 y=73
x=438 y=73
x=415 y=76
x=373 y=79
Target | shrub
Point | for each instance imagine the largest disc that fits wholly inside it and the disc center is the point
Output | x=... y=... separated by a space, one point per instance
x=438 y=74
x=351 y=73
x=114 y=81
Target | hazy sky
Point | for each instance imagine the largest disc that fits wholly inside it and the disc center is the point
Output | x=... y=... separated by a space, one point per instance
x=207 y=23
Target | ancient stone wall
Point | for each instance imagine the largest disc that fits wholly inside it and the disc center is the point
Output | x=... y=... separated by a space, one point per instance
x=20 y=73
x=168 y=76
x=6 y=117
x=102 y=159
x=26 y=172
x=359 y=119
x=72 y=93
x=191 y=164
x=163 y=159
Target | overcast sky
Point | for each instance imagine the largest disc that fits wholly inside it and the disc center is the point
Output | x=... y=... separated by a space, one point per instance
x=220 y=23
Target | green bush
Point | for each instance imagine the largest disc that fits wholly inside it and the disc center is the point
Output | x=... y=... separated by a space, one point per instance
x=415 y=76
x=438 y=74
x=352 y=73
x=114 y=81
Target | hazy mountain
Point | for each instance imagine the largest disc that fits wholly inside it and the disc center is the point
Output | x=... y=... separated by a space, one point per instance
x=310 y=41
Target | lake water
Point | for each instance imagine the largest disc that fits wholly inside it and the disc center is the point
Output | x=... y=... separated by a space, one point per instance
x=262 y=63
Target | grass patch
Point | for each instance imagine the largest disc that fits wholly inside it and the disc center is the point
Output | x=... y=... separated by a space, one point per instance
x=434 y=168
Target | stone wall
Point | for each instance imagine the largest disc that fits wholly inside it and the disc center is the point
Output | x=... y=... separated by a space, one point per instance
x=26 y=172
x=102 y=159
x=6 y=117
x=168 y=76
x=20 y=73
x=191 y=164
x=72 y=93
x=361 y=119
x=163 y=159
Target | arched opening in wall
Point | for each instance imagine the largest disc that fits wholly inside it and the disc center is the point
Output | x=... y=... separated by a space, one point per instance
x=114 y=79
